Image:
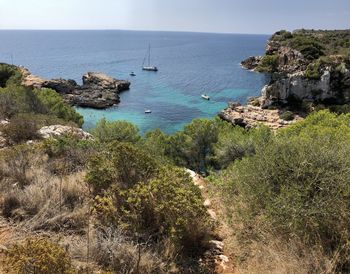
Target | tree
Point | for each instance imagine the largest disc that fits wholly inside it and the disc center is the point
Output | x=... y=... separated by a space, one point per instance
x=199 y=137
x=121 y=131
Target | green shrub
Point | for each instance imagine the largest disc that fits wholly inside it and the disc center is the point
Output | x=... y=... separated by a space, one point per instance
x=235 y=142
x=193 y=146
x=287 y=116
x=121 y=131
x=168 y=206
x=122 y=164
x=39 y=256
x=309 y=47
x=18 y=99
x=54 y=104
x=9 y=75
x=298 y=185
x=269 y=63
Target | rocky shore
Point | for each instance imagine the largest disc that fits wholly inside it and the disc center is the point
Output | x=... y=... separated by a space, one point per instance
x=249 y=116
x=304 y=69
x=97 y=91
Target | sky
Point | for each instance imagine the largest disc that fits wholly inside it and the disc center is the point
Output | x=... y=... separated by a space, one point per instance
x=222 y=16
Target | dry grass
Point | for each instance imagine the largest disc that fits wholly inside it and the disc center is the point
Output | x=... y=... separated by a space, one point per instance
x=111 y=250
x=279 y=257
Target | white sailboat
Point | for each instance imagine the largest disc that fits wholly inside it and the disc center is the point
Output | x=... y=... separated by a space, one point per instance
x=148 y=67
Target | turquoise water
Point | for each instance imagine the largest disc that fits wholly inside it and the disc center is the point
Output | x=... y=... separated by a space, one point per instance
x=190 y=64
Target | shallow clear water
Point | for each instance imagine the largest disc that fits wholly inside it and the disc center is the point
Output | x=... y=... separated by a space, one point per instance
x=190 y=64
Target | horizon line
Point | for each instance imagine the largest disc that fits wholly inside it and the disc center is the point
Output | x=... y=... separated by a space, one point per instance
x=136 y=30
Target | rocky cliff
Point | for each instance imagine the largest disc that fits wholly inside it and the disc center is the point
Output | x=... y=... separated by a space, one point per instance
x=97 y=91
x=305 y=65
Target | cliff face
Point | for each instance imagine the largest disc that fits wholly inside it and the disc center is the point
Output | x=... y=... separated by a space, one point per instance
x=305 y=66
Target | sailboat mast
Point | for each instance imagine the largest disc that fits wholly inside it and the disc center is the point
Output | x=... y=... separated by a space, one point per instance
x=149 y=55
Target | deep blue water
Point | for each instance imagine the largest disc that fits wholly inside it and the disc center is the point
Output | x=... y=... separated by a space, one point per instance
x=190 y=64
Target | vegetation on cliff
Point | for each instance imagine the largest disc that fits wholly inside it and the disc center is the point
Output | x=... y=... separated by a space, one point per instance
x=27 y=109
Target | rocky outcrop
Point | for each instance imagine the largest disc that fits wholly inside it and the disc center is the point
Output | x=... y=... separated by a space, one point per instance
x=297 y=76
x=97 y=91
x=59 y=130
x=251 y=62
x=249 y=116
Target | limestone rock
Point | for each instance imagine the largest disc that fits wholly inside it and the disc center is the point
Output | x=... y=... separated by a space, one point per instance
x=59 y=130
x=249 y=116
x=97 y=91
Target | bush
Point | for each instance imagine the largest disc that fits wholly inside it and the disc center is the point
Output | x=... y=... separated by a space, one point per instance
x=121 y=164
x=54 y=105
x=309 y=47
x=269 y=63
x=9 y=204
x=18 y=99
x=168 y=206
x=21 y=128
x=9 y=74
x=68 y=154
x=39 y=256
x=287 y=116
x=235 y=142
x=121 y=131
x=16 y=163
x=298 y=185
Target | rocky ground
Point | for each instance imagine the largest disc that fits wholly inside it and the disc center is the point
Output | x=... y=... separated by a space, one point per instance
x=52 y=131
x=249 y=116
x=216 y=254
x=97 y=91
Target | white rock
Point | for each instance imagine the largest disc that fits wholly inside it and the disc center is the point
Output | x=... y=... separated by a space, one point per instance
x=59 y=130
x=224 y=258
x=217 y=245
x=207 y=203
x=212 y=214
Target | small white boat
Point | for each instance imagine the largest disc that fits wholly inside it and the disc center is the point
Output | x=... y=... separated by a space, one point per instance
x=132 y=74
x=148 y=111
x=206 y=97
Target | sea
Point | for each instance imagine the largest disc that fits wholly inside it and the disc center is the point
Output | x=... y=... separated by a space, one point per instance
x=190 y=64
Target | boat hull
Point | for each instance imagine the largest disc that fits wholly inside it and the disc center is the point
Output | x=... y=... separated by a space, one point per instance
x=150 y=68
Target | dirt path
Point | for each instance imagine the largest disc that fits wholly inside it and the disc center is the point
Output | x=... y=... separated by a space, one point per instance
x=223 y=263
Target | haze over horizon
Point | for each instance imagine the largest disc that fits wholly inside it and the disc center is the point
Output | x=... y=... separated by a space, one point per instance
x=230 y=16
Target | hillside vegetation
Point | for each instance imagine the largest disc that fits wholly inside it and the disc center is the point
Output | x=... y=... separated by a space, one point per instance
x=319 y=48
x=124 y=203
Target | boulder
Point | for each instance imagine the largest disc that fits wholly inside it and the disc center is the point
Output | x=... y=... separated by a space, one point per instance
x=59 y=130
